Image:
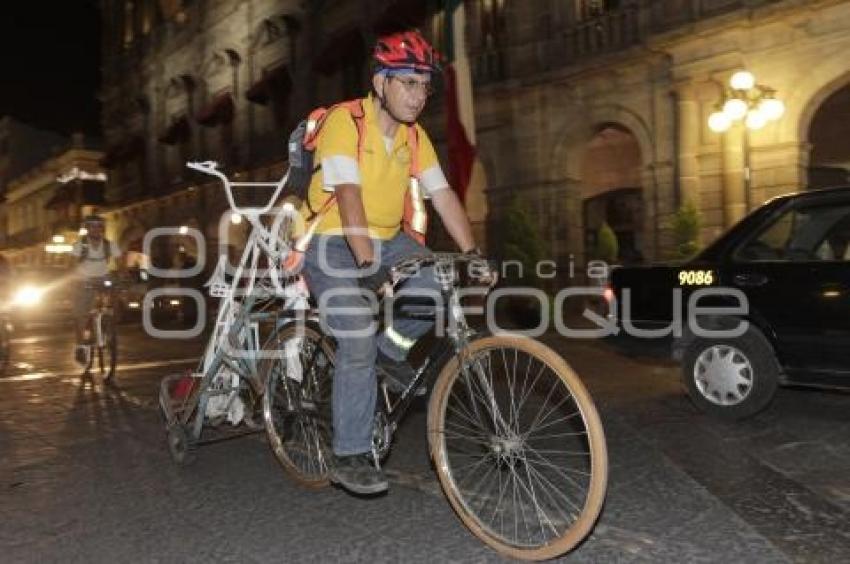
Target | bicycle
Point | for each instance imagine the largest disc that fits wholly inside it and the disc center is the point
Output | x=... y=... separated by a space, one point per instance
x=515 y=439
x=100 y=334
x=225 y=386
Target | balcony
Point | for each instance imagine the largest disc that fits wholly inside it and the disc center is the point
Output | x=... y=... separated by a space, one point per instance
x=610 y=32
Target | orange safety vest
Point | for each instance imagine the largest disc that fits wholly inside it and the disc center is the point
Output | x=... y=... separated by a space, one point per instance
x=415 y=218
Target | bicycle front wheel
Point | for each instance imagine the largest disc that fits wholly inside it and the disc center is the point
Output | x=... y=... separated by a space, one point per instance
x=298 y=372
x=518 y=447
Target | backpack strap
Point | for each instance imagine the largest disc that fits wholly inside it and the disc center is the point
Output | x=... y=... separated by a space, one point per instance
x=314 y=124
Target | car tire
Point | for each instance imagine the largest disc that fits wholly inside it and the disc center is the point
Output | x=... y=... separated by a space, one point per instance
x=731 y=378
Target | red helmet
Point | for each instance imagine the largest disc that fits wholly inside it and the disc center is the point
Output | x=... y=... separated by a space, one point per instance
x=406 y=50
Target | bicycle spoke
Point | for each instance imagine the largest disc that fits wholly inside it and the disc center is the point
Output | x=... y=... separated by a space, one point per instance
x=518 y=449
x=564 y=472
x=548 y=488
x=297 y=407
x=527 y=394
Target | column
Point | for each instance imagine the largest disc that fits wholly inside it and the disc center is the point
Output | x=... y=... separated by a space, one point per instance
x=688 y=132
x=734 y=185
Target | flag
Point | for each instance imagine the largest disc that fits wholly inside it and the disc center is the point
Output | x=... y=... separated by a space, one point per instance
x=459 y=109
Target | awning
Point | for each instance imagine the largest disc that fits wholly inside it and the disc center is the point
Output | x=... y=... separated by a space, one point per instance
x=340 y=49
x=179 y=130
x=274 y=83
x=217 y=111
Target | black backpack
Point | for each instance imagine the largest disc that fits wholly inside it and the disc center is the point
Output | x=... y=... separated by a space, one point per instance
x=302 y=145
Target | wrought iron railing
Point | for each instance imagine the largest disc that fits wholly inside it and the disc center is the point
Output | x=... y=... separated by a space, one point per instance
x=609 y=32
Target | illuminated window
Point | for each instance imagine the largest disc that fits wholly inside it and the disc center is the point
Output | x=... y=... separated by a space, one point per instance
x=129 y=20
x=147 y=17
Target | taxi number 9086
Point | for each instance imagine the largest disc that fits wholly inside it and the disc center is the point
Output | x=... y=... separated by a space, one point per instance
x=696 y=277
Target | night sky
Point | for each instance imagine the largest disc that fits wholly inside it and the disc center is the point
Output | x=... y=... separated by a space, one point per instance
x=50 y=53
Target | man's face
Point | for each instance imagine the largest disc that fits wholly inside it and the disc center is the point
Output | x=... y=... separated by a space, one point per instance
x=95 y=231
x=406 y=95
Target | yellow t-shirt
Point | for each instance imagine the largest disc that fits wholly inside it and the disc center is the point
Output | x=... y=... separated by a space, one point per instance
x=384 y=176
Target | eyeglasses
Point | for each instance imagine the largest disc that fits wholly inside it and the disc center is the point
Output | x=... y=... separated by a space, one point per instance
x=411 y=85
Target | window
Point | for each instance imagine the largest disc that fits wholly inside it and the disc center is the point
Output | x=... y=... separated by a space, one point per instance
x=129 y=22
x=437 y=30
x=814 y=233
x=492 y=18
x=590 y=9
x=147 y=17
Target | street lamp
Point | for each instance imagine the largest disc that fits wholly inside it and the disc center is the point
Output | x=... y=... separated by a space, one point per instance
x=751 y=103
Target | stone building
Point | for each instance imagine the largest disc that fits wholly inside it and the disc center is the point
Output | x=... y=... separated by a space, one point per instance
x=21 y=148
x=587 y=111
x=44 y=205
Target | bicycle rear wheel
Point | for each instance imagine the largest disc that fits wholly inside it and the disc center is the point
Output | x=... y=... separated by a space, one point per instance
x=518 y=447
x=297 y=414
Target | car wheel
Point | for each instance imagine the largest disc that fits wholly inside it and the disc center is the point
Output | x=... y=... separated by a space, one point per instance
x=731 y=378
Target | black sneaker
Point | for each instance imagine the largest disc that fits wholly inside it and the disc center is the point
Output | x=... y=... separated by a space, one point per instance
x=357 y=474
x=398 y=374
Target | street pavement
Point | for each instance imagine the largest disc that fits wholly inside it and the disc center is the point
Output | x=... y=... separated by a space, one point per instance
x=86 y=476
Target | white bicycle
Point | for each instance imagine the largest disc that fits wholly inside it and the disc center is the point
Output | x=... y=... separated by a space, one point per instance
x=226 y=386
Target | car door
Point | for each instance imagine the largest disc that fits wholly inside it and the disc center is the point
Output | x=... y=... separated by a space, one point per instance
x=797 y=285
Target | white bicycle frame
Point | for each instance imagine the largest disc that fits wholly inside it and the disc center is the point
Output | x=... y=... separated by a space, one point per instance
x=270 y=242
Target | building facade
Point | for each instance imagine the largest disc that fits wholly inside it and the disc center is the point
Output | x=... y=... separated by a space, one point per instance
x=44 y=206
x=22 y=147
x=588 y=112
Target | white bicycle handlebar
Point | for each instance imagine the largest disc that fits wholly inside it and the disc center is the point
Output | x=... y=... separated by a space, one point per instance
x=211 y=168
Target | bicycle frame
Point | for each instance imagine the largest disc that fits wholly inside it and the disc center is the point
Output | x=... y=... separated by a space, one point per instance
x=454 y=343
x=95 y=315
x=235 y=342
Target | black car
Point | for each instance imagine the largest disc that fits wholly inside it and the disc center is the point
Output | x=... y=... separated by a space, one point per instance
x=783 y=275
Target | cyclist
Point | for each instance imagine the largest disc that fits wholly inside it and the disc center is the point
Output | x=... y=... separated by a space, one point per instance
x=361 y=237
x=94 y=253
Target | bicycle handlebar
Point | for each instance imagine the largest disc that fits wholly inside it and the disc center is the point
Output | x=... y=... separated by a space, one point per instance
x=407 y=267
x=211 y=168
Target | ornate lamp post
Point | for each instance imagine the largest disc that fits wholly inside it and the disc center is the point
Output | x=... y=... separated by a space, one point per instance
x=753 y=105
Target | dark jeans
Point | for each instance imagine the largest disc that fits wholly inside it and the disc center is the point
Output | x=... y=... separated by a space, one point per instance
x=349 y=316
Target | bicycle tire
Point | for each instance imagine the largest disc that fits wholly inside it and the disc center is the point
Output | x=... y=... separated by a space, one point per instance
x=303 y=407
x=514 y=466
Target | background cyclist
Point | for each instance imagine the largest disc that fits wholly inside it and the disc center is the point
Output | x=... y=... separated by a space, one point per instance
x=95 y=254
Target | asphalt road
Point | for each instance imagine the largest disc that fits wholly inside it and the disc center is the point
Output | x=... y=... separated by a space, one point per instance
x=85 y=475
